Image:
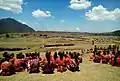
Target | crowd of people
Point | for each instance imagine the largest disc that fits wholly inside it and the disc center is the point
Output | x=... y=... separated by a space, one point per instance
x=109 y=55
x=34 y=63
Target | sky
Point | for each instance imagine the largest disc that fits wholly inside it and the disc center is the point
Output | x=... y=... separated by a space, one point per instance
x=64 y=15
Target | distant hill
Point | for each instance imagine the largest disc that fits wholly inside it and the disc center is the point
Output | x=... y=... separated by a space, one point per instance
x=116 y=33
x=10 y=25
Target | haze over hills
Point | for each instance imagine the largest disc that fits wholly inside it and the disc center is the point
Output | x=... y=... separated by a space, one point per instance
x=10 y=25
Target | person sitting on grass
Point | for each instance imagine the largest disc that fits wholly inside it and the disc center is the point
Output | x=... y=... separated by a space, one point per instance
x=19 y=63
x=48 y=66
x=55 y=58
x=80 y=59
x=72 y=64
x=34 y=64
x=7 y=68
x=97 y=57
x=12 y=58
x=44 y=59
x=60 y=62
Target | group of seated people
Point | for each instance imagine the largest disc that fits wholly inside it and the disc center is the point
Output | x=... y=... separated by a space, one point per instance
x=34 y=63
x=110 y=55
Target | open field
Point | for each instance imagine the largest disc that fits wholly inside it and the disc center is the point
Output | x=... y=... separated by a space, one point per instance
x=89 y=71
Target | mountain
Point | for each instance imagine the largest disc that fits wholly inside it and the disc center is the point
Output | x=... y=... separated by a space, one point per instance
x=10 y=25
x=116 y=33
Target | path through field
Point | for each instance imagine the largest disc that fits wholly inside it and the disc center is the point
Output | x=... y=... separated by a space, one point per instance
x=89 y=72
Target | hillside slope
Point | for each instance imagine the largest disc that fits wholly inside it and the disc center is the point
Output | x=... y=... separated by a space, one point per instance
x=10 y=25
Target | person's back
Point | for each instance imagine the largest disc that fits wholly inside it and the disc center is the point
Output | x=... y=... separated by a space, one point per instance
x=72 y=65
x=7 y=69
x=19 y=63
x=48 y=65
x=48 y=68
x=34 y=66
x=61 y=64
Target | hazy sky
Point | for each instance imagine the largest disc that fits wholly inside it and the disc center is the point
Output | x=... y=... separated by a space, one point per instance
x=64 y=15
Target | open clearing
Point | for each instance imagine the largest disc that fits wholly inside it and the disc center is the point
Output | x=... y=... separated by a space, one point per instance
x=89 y=71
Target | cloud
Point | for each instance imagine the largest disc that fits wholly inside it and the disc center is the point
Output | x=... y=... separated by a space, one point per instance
x=62 y=21
x=101 y=13
x=36 y=23
x=25 y=3
x=11 y=5
x=79 y=4
x=22 y=22
x=41 y=14
x=78 y=29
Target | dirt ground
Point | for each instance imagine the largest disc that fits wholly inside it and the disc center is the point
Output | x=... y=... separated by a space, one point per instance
x=89 y=71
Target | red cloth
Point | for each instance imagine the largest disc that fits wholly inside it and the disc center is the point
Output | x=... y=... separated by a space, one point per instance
x=33 y=66
x=105 y=59
x=67 y=60
x=97 y=59
x=118 y=61
x=7 y=69
x=72 y=65
x=61 y=64
x=18 y=63
x=45 y=59
x=48 y=68
x=80 y=59
x=27 y=58
x=111 y=59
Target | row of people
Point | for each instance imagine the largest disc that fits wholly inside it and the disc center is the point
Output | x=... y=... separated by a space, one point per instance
x=33 y=63
x=111 y=55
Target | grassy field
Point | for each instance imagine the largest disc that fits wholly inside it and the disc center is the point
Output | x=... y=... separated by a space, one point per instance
x=89 y=71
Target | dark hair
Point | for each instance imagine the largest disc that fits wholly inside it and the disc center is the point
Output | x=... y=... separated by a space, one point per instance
x=48 y=57
x=61 y=55
x=27 y=55
x=19 y=56
x=66 y=52
x=78 y=54
x=22 y=56
x=65 y=55
x=5 y=54
x=71 y=55
x=55 y=55
x=12 y=55
x=38 y=54
x=76 y=58
x=104 y=52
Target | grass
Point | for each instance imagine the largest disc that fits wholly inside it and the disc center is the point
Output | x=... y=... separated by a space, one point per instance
x=89 y=71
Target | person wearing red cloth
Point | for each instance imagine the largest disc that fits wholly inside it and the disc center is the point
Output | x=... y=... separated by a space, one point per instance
x=60 y=62
x=19 y=63
x=38 y=56
x=34 y=64
x=12 y=58
x=45 y=59
x=105 y=59
x=48 y=66
x=74 y=63
x=111 y=59
x=55 y=56
x=7 y=68
x=67 y=59
x=97 y=57
x=80 y=59
x=118 y=61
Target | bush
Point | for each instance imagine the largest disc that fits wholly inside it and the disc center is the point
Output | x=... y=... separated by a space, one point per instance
x=7 y=35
